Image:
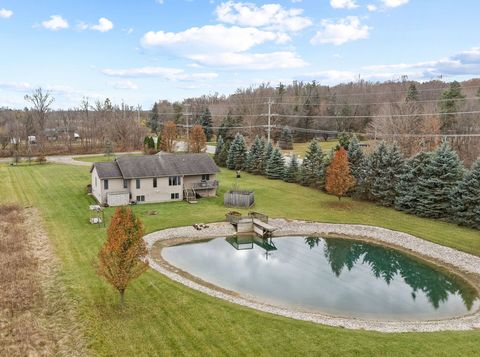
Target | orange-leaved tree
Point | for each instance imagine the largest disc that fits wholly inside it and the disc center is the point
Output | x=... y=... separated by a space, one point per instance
x=338 y=179
x=169 y=134
x=122 y=257
x=198 y=140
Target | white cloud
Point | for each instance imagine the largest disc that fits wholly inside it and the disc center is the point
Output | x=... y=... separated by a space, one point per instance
x=4 y=13
x=466 y=63
x=394 y=3
x=255 y=61
x=125 y=85
x=161 y=2
x=103 y=25
x=341 y=31
x=343 y=4
x=211 y=38
x=16 y=86
x=55 y=23
x=269 y=16
x=169 y=73
x=372 y=7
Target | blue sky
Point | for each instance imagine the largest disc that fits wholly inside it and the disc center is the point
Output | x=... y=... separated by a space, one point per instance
x=145 y=50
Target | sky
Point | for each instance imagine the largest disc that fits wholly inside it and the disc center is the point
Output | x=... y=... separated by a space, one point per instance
x=145 y=50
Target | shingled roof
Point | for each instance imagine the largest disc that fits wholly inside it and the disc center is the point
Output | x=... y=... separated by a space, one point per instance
x=106 y=170
x=160 y=165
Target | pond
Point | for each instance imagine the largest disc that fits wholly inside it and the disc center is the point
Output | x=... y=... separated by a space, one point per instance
x=335 y=276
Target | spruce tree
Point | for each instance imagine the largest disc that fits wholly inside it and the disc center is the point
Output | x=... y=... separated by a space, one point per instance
x=206 y=123
x=291 y=172
x=465 y=199
x=154 y=119
x=412 y=93
x=442 y=174
x=275 y=165
x=451 y=99
x=255 y=150
x=258 y=163
x=372 y=171
x=355 y=157
x=286 y=139
x=390 y=165
x=312 y=165
x=237 y=155
x=267 y=152
x=218 y=149
x=223 y=154
x=407 y=185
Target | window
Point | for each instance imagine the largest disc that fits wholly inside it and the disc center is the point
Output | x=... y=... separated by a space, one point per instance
x=174 y=181
x=141 y=198
x=154 y=182
x=174 y=196
x=205 y=177
x=137 y=182
x=105 y=184
x=125 y=184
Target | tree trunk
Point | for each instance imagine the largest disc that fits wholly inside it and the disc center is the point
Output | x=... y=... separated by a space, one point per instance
x=122 y=297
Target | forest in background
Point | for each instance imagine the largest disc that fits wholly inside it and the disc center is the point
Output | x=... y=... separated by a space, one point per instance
x=415 y=115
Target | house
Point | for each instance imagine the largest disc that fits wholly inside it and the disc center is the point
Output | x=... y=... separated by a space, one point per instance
x=154 y=178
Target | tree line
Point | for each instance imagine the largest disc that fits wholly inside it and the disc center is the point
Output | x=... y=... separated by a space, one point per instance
x=432 y=184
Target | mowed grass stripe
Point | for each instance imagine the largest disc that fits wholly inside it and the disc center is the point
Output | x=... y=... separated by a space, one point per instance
x=165 y=318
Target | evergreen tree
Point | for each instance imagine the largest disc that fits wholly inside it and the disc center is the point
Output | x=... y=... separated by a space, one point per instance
x=154 y=119
x=412 y=93
x=291 y=172
x=227 y=127
x=223 y=154
x=407 y=185
x=159 y=142
x=442 y=174
x=237 y=155
x=206 y=123
x=311 y=170
x=371 y=172
x=267 y=152
x=355 y=157
x=286 y=139
x=465 y=199
x=343 y=141
x=451 y=99
x=275 y=165
x=256 y=149
x=390 y=167
x=218 y=149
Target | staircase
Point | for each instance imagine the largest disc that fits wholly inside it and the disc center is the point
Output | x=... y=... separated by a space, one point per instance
x=190 y=195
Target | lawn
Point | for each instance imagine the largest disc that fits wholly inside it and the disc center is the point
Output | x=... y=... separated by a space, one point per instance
x=301 y=148
x=165 y=318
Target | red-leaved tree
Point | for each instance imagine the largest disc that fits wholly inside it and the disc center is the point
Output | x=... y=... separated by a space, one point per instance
x=122 y=257
x=338 y=179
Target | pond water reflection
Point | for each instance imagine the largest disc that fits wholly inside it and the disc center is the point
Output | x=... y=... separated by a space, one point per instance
x=335 y=276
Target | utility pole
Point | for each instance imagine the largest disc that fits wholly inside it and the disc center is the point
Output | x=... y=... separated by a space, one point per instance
x=186 y=113
x=270 y=102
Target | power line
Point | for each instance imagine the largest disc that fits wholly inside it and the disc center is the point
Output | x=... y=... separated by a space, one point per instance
x=341 y=116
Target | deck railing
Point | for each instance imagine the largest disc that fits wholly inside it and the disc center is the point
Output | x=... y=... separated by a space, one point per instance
x=203 y=185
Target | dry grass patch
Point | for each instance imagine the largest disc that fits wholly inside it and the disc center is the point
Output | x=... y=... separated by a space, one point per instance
x=28 y=324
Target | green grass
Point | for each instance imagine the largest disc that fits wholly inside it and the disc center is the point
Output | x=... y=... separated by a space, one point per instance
x=166 y=318
x=301 y=148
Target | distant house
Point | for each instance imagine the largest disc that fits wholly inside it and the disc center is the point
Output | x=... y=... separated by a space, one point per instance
x=154 y=178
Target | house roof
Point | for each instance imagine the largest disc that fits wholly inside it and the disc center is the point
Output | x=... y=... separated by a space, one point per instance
x=107 y=170
x=160 y=165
